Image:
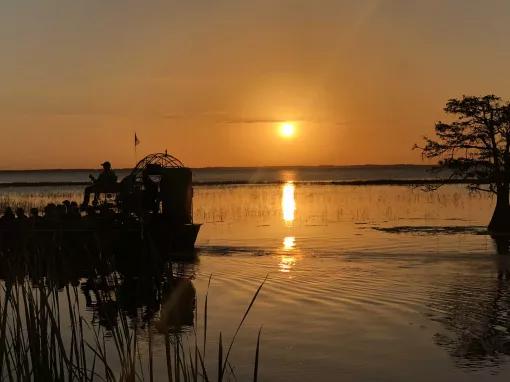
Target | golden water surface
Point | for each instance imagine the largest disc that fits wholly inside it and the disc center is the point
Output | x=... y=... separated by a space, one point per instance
x=378 y=283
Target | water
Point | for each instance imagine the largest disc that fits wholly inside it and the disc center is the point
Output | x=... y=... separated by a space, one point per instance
x=245 y=175
x=376 y=283
x=345 y=301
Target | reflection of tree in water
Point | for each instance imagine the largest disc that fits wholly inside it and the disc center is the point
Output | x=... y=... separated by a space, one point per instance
x=475 y=314
x=502 y=244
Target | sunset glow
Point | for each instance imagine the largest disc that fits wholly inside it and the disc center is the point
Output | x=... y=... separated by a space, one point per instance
x=310 y=164
x=287 y=130
x=276 y=82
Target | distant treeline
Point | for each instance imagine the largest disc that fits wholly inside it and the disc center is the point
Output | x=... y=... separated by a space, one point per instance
x=370 y=182
x=352 y=166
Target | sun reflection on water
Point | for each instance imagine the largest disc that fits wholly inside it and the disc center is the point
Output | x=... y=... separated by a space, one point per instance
x=289 y=243
x=288 y=202
x=288 y=260
x=286 y=263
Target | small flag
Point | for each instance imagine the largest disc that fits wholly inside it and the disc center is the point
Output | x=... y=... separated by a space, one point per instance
x=137 y=141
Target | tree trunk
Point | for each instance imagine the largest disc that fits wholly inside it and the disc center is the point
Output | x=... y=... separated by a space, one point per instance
x=500 y=222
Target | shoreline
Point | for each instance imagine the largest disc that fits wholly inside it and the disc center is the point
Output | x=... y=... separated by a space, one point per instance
x=234 y=168
x=369 y=182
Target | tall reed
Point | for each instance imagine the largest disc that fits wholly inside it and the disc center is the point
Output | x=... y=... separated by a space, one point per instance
x=45 y=337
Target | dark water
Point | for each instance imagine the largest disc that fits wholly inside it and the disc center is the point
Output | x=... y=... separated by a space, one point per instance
x=245 y=175
x=376 y=283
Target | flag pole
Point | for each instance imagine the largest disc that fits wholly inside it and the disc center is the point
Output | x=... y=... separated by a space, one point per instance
x=136 y=142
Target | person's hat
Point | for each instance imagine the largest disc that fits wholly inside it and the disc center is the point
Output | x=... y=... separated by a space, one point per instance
x=106 y=164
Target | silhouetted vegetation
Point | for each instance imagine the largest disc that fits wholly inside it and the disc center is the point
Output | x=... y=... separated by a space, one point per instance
x=45 y=336
x=475 y=147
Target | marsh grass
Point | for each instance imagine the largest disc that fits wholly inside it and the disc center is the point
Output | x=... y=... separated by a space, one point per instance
x=37 y=199
x=44 y=337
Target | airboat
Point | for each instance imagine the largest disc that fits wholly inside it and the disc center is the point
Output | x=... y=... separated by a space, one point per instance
x=155 y=201
x=151 y=208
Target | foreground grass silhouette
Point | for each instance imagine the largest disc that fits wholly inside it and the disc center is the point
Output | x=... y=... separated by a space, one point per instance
x=42 y=340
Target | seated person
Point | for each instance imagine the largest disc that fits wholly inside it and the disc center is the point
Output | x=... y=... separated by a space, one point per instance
x=106 y=178
x=150 y=194
x=22 y=221
x=7 y=219
x=35 y=219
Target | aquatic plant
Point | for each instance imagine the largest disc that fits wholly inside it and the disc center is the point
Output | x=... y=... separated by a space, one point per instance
x=44 y=336
x=34 y=198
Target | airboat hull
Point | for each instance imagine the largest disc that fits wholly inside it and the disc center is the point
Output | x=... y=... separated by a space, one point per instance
x=161 y=239
x=171 y=239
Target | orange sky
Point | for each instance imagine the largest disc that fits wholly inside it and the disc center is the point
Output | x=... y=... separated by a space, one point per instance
x=211 y=80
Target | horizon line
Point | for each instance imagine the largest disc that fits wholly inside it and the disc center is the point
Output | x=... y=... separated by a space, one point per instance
x=233 y=167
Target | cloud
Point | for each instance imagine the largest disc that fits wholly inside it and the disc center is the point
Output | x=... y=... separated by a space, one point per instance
x=258 y=120
x=172 y=116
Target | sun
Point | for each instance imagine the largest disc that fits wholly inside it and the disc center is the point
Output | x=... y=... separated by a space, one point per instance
x=287 y=130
